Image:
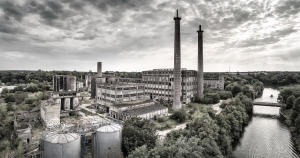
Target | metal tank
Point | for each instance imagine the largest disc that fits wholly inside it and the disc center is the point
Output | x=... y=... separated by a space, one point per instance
x=107 y=142
x=61 y=145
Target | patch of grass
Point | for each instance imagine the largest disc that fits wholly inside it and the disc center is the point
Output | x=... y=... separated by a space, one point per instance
x=86 y=112
x=167 y=124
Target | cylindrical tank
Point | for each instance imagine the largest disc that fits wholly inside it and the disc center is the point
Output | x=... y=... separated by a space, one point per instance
x=107 y=141
x=61 y=145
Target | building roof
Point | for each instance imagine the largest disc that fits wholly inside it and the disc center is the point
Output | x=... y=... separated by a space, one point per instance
x=65 y=92
x=109 y=128
x=144 y=110
x=114 y=85
x=131 y=103
x=61 y=137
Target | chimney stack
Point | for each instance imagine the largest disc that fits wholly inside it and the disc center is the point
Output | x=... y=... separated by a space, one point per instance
x=200 y=64
x=99 y=69
x=177 y=65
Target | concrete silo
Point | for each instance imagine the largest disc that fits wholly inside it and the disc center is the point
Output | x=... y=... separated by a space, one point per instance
x=106 y=141
x=61 y=145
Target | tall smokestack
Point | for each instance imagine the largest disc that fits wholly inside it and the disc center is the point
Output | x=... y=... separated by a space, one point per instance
x=177 y=65
x=200 y=64
x=99 y=69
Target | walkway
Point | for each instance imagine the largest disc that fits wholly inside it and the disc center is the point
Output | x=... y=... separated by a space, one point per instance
x=162 y=134
x=217 y=107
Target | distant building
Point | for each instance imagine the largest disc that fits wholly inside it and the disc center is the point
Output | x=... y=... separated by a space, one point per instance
x=64 y=83
x=79 y=86
x=214 y=83
x=64 y=92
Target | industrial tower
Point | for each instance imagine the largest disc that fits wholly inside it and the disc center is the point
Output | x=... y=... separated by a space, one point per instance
x=200 y=64
x=177 y=65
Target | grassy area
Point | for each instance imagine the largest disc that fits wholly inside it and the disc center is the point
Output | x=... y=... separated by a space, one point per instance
x=85 y=112
x=163 y=123
x=192 y=109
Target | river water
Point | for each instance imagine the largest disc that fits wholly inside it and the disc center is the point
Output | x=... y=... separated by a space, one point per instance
x=266 y=135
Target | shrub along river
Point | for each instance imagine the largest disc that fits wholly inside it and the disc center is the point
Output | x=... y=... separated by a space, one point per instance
x=266 y=135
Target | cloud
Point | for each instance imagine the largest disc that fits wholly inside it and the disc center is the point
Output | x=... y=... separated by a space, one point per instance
x=12 y=10
x=288 y=8
x=271 y=38
x=71 y=32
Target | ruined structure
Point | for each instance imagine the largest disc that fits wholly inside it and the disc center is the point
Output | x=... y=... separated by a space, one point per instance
x=64 y=83
x=50 y=113
x=177 y=65
x=68 y=100
x=64 y=92
x=79 y=86
x=214 y=83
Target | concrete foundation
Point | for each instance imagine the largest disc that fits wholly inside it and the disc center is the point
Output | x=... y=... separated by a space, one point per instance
x=66 y=104
x=75 y=102
x=50 y=113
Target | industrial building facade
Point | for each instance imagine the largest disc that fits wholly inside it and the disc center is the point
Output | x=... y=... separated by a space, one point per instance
x=159 y=84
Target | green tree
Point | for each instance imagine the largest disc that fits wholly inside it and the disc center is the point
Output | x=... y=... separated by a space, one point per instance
x=225 y=94
x=296 y=110
x=138 y=132
x=4 y=91
x=18 y=88
x=20 y=97
x=10 y=98
x=140 y=152
x=14 y=81
x=179 y=115
x=290 y=102
x=32 y=89
x=9 y=106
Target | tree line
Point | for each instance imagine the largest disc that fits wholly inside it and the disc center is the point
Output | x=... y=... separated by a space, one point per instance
x=290 y=96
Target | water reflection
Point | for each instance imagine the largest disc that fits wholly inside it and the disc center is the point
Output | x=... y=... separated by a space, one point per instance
x=266 y=135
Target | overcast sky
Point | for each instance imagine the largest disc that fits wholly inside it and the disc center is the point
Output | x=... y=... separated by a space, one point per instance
x=137 y=35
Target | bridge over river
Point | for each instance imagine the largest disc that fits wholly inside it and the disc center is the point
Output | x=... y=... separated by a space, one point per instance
x=267 y=104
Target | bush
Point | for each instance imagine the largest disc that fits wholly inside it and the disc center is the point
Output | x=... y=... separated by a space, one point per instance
x=179 y=116
x=225 y=94
x=10 y=98
x=4 y=91
x=138 y=132
x=161 y=119
x=210 y=98
x=290 y=102
x=30 y=100
x=32 y=89
x=9 y=107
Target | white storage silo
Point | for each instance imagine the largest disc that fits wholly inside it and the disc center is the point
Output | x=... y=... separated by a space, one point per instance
x=61 y=145
x=107 y=141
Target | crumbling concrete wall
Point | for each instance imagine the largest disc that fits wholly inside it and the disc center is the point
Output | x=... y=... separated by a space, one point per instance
x=50 y=113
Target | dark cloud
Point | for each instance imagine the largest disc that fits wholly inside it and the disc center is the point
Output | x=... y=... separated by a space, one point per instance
x=272 y=38
x=288 y=8
x=12 y=10
x=6 y=26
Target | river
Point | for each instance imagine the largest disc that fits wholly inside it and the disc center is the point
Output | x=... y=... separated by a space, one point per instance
x=266 y=135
